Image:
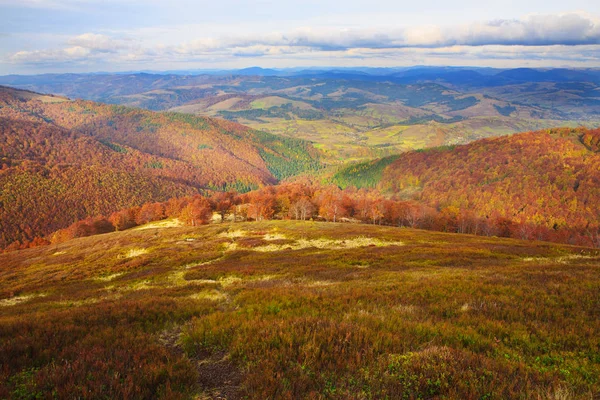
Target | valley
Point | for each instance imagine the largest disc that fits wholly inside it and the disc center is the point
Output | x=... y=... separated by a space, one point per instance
x=299 y=236
x=283 y=200
x=65 y=160
x=353 y=114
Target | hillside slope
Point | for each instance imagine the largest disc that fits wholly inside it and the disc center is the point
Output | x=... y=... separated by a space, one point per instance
x=64 y=160
x=351 y=115
x=548 y=178
x=286 y=309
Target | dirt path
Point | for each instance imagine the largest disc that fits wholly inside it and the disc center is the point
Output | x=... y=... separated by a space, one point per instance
x=218 y=377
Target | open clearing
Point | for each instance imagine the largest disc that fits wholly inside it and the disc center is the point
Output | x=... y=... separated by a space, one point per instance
x=287 y=309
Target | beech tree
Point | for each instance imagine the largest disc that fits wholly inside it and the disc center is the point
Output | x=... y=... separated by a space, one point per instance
x=261 y=205
x=224 y=202
x=197 y=212
x=123 y=219
x=302 y=209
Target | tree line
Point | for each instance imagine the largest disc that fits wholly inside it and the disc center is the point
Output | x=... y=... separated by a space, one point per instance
x=305 y=200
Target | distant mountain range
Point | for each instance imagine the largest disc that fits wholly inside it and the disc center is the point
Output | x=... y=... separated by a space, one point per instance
x=90 y=158
x=354 y=113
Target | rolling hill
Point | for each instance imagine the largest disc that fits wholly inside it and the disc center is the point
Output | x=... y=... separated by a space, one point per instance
x=291 y=309
x=165 y=307
x=64 y=160
x=547 y=178
x=356 y=113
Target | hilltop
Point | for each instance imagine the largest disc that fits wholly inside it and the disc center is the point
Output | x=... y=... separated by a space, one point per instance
x=299 y=309
x=64 y=160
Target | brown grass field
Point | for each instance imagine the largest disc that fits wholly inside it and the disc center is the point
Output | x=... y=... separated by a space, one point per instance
x=299 y=310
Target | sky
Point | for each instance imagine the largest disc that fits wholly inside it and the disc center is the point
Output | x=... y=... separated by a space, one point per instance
x=55 y=36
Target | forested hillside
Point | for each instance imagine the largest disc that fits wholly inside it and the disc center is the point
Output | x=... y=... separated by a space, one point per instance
x=66 y=160
x=547 y=178
x=356 y=115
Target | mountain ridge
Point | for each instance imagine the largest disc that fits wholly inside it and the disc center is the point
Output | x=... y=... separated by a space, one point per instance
x=111 y=157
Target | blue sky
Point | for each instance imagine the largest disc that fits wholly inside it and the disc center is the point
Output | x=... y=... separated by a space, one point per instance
x=39 y=36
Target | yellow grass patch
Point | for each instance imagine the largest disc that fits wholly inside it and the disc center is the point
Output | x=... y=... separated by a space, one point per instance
x=268 y=277
x=131 y=287
x=108 y=278
x=143 y=285
x=559 y=260
x=93 y=300
x=213 y=295
x=319 y=283
x=229 y=280
x=177 y=279
x=329 y=244
x=199 y=264
x=233 y=234
x=230 y=246
x=135 y=252
x=167 y=223
x=274 y=236
x=19 y=299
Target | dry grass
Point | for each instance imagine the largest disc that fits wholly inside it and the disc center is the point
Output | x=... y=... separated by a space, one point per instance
x=13 y=301
x=212 y=295
x=233 y=234
x=324 y=243
x=167 y=223
x=136 y=252
x=315 y=310
x=108 y=278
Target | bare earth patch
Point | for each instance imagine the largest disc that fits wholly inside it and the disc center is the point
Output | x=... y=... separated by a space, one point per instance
x=218 y=377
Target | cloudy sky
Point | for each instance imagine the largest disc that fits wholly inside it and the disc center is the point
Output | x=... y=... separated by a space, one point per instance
x=122 y=35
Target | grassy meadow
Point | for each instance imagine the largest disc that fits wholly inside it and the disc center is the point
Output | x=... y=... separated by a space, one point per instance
x=299 y=310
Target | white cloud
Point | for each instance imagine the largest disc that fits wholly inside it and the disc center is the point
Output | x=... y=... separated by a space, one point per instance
x=554 y=38
x=100 y=43
x=72 y=54
x=535 y=30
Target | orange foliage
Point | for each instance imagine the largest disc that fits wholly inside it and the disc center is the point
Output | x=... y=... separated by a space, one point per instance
x=544 y=180
x=63 y=162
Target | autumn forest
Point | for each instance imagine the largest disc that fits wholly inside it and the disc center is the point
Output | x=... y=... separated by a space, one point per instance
x=172 y=255
x=95 y=160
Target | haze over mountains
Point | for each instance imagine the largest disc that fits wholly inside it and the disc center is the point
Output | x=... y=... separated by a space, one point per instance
x=355 y=113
